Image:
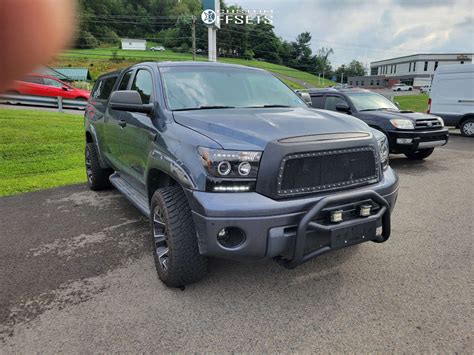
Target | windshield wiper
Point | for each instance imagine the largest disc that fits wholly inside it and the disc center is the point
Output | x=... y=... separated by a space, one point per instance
x=202 y=108
x=264 y=106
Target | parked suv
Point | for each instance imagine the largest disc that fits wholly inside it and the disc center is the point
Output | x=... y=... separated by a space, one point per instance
x=411 y=133
x=227 y=161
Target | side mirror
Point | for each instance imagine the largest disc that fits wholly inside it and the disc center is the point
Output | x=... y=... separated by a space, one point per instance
x=129 y=100
x=65 y=88
x=343 y=107
x=397 y=104
x=305 y=96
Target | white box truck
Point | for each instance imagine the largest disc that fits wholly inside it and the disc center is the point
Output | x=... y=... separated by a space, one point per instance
x=452 y=96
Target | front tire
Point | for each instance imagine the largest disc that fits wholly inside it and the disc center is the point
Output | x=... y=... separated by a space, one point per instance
x=467 y=128
x=420 y=154
x=175 y=245
x=97 y=177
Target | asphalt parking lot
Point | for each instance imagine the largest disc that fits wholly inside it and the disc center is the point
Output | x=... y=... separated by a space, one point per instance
x=78 y=276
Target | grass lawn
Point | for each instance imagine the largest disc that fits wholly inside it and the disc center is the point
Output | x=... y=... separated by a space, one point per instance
x=39 y=150
x=417 y=103
x=99 y=61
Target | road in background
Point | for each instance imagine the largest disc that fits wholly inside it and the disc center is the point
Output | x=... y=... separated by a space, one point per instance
x=78 y=277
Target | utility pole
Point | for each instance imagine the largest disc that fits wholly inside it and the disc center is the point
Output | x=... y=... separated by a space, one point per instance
x=194 y=37
x=342 y=78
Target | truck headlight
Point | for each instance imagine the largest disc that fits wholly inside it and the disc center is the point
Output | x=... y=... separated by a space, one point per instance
x=230 y=164
x=401 y=123
x=441 y=121
x=384 y=150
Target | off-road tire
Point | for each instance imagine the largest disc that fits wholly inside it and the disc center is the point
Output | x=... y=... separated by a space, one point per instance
x=420 y=154
x=464 y=127
x=184 y=264
x=97 y=177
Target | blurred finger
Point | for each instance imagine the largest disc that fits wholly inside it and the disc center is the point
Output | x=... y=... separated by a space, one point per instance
x=31 y=32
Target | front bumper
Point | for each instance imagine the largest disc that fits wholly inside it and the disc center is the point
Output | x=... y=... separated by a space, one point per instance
x=282 y=228
x=418 y=140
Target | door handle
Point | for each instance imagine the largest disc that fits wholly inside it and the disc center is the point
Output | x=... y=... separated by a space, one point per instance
x=152 y=135
x=122 y=123
x=469 y=101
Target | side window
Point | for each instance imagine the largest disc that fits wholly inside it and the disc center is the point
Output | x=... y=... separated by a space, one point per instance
x=103 y=88
x=124 y=83
x=34 y=80
x=317 y=101
x=144 y=85
x=51 y=82
x=332 y=101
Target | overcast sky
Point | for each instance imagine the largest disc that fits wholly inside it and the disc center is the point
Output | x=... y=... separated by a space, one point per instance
x=369 y=30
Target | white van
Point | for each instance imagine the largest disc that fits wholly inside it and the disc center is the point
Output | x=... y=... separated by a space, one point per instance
x=452 y=96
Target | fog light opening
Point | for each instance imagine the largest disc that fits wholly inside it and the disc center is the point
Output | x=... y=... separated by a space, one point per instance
x=230 y=237
x=404 y=140
x=336 y=216
x=365 y=210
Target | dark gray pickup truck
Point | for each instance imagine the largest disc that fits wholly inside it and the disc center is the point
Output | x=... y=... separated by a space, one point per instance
x=229 y=162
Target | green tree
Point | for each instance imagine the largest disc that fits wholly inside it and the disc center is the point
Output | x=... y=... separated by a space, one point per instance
x=354 y=68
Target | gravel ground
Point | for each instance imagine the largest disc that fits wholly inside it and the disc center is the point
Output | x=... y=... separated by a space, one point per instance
x=78 y=277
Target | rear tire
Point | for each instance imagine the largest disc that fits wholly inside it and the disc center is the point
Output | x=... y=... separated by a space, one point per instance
x=420 y=154
x=12 y=92
x=467 y=128
x=97 y=177
x=175 y=245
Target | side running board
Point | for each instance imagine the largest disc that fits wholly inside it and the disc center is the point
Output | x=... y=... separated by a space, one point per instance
x=131 y=193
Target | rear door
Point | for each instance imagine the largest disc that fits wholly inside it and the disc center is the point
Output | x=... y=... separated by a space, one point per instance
x=114 y=126
x=140 y=131
x=95 y=110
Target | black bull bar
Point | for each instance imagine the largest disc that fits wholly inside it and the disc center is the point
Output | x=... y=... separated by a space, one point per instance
x=306 y=223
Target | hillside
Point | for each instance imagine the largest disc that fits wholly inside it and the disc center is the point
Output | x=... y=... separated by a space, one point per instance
x=103 y=60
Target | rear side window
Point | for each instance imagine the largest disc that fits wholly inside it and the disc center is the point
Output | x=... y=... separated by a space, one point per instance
x=317 y=101
x=332 y=101
x=144 y=85
x=33 y=80
x=103 y=88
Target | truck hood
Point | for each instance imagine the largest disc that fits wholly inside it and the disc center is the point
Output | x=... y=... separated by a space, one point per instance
x=253 y=128
x=414 y=116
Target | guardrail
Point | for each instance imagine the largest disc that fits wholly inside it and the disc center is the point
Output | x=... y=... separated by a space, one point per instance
x=58 y=102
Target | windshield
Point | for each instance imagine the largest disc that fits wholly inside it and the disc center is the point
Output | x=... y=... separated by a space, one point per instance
x=370 y=101
x=188 y=88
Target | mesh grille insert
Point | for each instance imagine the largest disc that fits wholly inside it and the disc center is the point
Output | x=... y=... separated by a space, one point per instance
x=327 y=170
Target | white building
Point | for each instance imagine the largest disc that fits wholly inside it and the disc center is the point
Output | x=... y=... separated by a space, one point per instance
x=417 y=69
x=133 y=44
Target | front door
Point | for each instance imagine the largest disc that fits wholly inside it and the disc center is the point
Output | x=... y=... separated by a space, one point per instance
x=140 y=131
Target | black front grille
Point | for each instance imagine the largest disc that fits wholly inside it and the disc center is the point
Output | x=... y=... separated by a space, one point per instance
x=310 y=172
x=428 y=123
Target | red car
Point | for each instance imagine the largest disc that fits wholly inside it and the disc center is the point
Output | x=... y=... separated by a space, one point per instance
x=42 y=85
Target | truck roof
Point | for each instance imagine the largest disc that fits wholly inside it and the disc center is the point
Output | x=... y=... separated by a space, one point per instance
x=183 y=64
